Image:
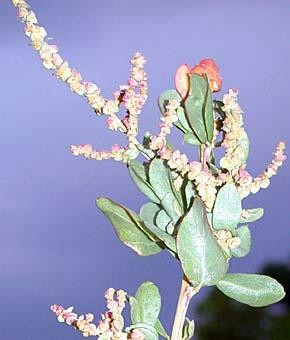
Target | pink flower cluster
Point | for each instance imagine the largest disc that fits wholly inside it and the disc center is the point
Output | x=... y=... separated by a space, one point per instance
x=131 y=96
x=111 y=324
x=158 y=143
x=83 y=323
x=134 y=98
x=247 y=184
x=205 y=182
x=234 y=133
x=116 y=152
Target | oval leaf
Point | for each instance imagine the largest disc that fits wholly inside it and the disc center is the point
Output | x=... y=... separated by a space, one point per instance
x=162 y=220
x=252 y=289
x=138 y=174
x=171 y=206
x=168 y=240
x=227 y=209
x=199 y=108
x=202 y=259
x=149 y=301
x=162 y=184
x=148 y=212
x=159 y=178
x=135 y=311
x=182 y=119
x=128 y=228
x=208 y=113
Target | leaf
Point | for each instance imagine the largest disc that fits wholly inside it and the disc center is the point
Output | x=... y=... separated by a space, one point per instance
x=208 y=112
x=135 y=311
x=159 y=178
x=138 y=174
x=165 y=238
x=227 y=209
x=188 y=329
x=161 y=181
x=244 y=233
x=199 y=109
x=148 y=212
x=171 y=207
x=182 y=119
x=162 y=220
x=161 y=331
x=252 y=215
x=177 y=194
x=149 y=300
x=191 y=138
x=164 y=98
x=189 y=193
x=202 y=259
x=130 y=154
x=252 y=289
x=128 y=228
x=136 y=319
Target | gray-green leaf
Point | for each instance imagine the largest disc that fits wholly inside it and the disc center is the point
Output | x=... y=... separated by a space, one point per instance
x=161 y=330
x=171 y=207
x=252 y=289
x=188 y=329
x=165 y=238
x=227 y=209
x=138 y=174
x=199 y=108
x=189 y=193
x=135 y=310
x=128 y=227
x=162 y=220
x=149 y=301
x=190 y=138
x=244 y=234
x=202 y=259
x=182 y=119
x=148 y=212
x=252 y=215
x=159 y=178
x=165 y=97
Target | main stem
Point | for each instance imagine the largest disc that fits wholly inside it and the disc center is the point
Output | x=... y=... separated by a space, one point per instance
x=186 y=293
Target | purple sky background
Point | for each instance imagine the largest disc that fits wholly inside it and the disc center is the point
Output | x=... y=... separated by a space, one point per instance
x=55 y=246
